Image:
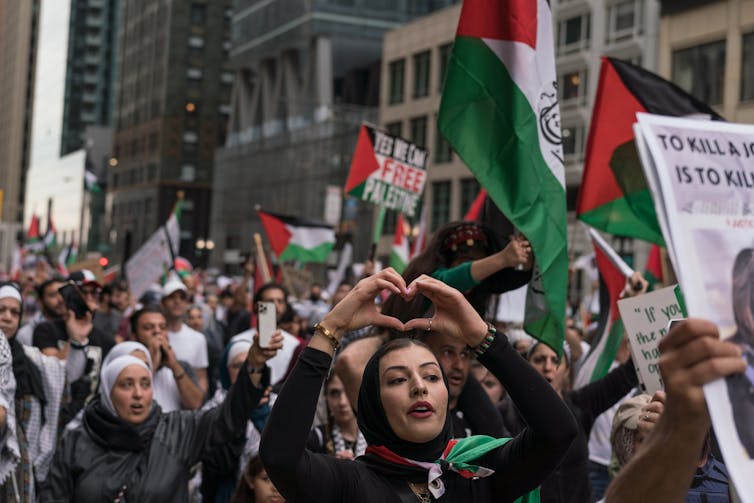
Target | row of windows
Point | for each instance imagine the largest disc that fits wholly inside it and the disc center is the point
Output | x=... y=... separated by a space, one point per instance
x=417 y=133
x=421 y=66
x=700 y=70
x=623 y=22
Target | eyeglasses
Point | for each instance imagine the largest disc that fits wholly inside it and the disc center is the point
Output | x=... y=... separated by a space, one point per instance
x=16 y=313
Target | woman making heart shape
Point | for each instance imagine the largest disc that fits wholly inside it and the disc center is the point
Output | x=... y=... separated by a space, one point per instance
x=403 y=412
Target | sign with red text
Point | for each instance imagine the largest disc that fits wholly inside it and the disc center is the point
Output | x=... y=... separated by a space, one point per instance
x=387 y=171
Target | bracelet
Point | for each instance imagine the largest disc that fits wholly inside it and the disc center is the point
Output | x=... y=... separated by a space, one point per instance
x=486 y=342
x=319 y=329
x=254 y=370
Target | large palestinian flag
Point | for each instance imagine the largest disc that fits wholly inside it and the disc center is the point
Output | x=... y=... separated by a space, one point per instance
x=614 y=195
x=610 y=329
x=294 y=238
x=500 y=113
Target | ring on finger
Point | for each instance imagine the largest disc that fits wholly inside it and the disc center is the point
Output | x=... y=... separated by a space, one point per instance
x=429 y=325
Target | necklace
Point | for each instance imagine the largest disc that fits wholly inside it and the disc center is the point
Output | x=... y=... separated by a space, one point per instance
x=421 y=493
x=340 y=444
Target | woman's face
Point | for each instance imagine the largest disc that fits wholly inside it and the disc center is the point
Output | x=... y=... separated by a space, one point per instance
x=10 y=316
x=413 y=393
x=264 y=491
x=132 y=394
x=488 y=381
x=337 y=401
x=546 y=362
x=138 y=353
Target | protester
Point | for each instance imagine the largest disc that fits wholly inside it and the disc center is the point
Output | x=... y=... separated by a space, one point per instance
x=403 y=411
x=255 y=486
x=103 y=460
x=175 y=385
x=663 y=468
x=31 y=400
x=51 y=307
x=214 y=340
x=222 y=466
x=570 y=482
x=189 y=345
x=113 y=303
x=340 y=435
x=491 y=385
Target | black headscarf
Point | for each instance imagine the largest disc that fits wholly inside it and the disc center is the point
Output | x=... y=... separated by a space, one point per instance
x=114 y=433
x=374 y=426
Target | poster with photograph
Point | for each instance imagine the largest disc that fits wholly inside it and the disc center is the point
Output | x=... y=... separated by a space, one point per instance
x=702 y=179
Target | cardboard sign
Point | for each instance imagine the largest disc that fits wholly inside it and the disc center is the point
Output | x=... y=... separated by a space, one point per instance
x=148 y=263
x=387 y=171
x=645 y=319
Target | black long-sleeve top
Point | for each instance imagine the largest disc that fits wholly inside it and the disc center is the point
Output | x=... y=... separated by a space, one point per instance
x=570 y=482
x=520 y=464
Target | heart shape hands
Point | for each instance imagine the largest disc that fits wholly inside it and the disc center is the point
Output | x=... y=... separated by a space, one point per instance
x=453 y=316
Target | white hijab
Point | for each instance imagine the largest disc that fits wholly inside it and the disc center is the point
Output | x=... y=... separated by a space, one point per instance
x=110 y=373
x=126 y=348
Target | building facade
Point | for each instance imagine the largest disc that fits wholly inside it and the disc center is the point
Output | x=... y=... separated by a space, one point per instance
x=413 y=67
x=707 y=48
x=90 y=69
x=306 y=76
x=171 y=109
x=19 y=26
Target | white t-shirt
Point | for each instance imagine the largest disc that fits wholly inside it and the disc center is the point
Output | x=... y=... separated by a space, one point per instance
x=279 y=364
x=165 y=390
x=189 y=346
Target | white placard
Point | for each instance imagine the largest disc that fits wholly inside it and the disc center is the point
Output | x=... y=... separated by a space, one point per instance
x=150 y=262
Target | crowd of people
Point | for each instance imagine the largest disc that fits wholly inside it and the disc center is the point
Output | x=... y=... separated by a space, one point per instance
x=391 y=388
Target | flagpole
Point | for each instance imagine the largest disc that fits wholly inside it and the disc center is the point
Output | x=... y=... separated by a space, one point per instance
x=377 y=232
x=261 y=259
x=611 y=254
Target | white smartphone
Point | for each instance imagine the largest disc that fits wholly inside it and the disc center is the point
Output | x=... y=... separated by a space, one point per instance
x=266 y=322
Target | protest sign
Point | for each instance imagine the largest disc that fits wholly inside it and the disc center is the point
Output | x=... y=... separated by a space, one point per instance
x=387 y=171
x=702 y=174
x=149 y=263
x=645 y=318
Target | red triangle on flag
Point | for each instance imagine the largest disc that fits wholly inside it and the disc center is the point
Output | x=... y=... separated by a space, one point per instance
x=364 y=162
x=277 y=232
x=33 y=232
x=475 y=210
x=514 y=20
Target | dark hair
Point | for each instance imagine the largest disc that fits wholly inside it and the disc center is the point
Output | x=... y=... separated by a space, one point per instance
x=43 y=285
x=141 y=312
x=399 y=343
x=244 y=493
x=743 y=294
x=270 y=286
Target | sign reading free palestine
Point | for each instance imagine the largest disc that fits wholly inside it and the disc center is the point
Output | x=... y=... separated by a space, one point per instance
x=387 y=171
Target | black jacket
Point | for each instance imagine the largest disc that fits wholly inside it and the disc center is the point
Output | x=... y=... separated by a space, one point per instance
x=86 y=466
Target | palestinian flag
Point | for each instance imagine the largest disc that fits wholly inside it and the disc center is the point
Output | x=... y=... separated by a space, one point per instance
x=499 y=111
x=399 y=254
x=474 y=214
x=67 y=257
x=614 y=195
x=294 y=238
x=610 y=329
x=34 y=243
x=653 y=269
x=51 y=236
x=91 y=182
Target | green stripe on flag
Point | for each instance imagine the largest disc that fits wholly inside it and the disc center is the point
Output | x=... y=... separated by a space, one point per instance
x=492 y=126
x=607 y=356
x=316 y=254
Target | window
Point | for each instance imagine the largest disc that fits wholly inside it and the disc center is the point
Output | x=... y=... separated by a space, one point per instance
x=700 y=71
x=198 y=14
x=624 y=20
x=188 y=172
x=395 y=128
x=226 y=78
x=444 y=55
x=421 y=74
x=469 y=190
x=419 y=130
x=572 y=87
x=194 y=73
x=397 y=75
x=443 y=150
x=573 y=141
x=190 y=137
x=573 y=33
x=440 y=204
x=196 y=41
x=747 y=67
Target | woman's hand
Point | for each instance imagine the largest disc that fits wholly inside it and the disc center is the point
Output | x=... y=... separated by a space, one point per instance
x=357 y=309
x=258 y=356
x=517 y=253
x=454 y=316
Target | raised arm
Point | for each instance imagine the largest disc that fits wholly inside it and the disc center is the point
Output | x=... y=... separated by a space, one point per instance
x=298 y=474
x=595 y=398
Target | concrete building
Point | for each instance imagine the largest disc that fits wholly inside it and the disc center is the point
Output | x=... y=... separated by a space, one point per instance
x=306 y=76
x=90 y=69
x=171 y=109
x=707 y=48
x=413 y=66
x=19 y=27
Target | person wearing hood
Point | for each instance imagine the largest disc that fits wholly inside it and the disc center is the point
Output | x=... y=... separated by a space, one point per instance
x=128 y=450
x=403 y=412
x=30 y=395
